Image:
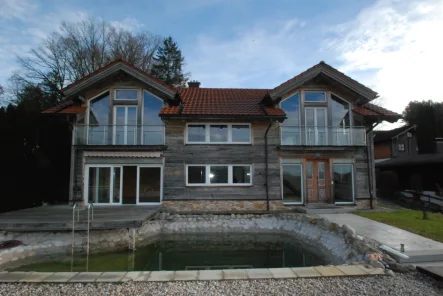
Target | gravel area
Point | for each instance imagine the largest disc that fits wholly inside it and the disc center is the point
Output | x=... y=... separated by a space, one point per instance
x=400 y=284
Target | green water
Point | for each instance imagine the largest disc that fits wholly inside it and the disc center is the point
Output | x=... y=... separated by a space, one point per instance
x=190 y=252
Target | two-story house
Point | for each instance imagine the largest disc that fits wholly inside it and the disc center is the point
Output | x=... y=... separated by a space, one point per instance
x=139 y=141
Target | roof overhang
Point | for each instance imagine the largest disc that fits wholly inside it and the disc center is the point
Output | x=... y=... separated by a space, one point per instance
x=323 y=68
x=77 y=87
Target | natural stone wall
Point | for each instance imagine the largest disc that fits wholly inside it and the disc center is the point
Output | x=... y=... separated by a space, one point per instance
x=231 y=206
x=365 y=203
x=339 y=244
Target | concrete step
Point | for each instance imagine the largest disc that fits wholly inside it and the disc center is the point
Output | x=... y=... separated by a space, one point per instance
x=435 y=272
x=423 y=256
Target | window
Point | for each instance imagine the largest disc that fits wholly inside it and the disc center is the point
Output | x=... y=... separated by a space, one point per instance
x=218 y=175
x=315 y=96
x=292 y=183
x=126 y=94
x=290 y=132
x=207 y=133
x=153 y=127
x=125 y=125
x=401 y=147
x=99 y=111
x=343 y=183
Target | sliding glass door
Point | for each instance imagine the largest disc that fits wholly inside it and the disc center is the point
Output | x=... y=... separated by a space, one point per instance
x=292 y=183
x=103 y=184
x=343 y=183
x=150 y=185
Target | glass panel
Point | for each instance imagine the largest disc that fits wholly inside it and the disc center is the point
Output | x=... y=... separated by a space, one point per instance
x=196 y=133
x=99 y=111
x=131 y=127
x=321 y=123
x=218 y=175
x=116 y=180
x=292 y=183
x=126 y=94
x=321 y=170
x=310 y=117
x=290 y=127
x=196 y=174
x=153 y=127
x=149 y=185
x=120 y=120
x=309 y=170
x=241 y=174
x=321 y=117
x=99 y=185
x=340 y=112
x=343 y=180
x=312 y=96
x=241 y=133
x=219 y=133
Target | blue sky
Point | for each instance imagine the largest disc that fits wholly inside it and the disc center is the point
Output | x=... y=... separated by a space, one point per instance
x=388 y=45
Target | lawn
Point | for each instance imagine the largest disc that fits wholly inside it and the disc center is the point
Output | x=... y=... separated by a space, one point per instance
x=411 y=221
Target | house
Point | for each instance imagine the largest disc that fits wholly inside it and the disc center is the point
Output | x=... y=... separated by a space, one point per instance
x=400 y=165
x=394 y=143
x=137 y=140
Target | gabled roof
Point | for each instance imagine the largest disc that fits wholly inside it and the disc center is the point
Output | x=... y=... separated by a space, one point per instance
x=381 y=136
x=323 y=68
x=221 y=102
x=118 y=65
x=371 y=110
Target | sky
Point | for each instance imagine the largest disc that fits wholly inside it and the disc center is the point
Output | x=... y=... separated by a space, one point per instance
x=394 y=47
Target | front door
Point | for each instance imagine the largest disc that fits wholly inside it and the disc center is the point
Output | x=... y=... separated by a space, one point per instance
x=317 y=180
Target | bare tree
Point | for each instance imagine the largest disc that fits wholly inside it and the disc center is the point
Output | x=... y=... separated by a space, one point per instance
x=80 y=48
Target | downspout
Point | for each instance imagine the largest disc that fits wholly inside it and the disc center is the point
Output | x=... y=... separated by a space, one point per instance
x=369 y=155
x=266 y=165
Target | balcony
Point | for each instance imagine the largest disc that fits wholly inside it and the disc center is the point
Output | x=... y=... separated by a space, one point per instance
x=119 y=134
x=323 y=136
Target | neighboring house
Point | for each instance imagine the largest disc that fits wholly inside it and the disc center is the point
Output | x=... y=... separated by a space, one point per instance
x=137 y=140
x=400 y=166
x=394 y=143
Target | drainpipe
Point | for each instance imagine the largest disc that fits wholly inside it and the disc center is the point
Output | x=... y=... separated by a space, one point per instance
x=266 y=165
x=371 y=193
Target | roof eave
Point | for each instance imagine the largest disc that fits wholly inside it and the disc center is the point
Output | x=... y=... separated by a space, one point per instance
x=71 y=91
x=223 y=116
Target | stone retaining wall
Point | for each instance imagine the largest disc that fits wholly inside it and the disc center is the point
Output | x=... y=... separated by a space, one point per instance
x=339 y=244
x=222 y=205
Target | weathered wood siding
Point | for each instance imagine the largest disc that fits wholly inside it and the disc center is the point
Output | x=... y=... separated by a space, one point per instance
x=177 y=155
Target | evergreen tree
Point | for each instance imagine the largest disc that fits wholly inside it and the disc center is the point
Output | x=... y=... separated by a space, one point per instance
x=168 y=64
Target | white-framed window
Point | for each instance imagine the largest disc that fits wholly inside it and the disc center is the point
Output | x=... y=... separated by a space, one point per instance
x=401 y=147
x=126 y=94
x=218 y=175
x=218 y=133
x=315 y=96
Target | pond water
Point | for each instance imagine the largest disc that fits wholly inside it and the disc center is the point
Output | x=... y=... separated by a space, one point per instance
x=187 y=252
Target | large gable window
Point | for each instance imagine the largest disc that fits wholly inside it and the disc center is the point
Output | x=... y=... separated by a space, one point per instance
x=99 y=109
x=291 y=132
x=215 y=133
x=219 y=175
x=153 y=130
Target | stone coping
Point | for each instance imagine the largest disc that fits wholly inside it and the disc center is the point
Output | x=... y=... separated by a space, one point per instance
x=190 y=275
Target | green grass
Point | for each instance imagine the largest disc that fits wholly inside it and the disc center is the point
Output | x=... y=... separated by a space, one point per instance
x=411 y=221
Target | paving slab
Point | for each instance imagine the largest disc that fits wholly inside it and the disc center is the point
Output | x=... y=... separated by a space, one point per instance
x=351 y=270
x=210 y=275
x=259 y=273
x=235 y=274
x=161 y=276
x=186 y=275
x=143 y=276
x=435 y=272
x=85 y=277
x=131 y=276
x=329 y=271
x=111 y=277
x=13 y=276
x=371 y=270
x=60 y=277
x=306 y=272
x=385 y=234
x=282 y=273
x=36 y=277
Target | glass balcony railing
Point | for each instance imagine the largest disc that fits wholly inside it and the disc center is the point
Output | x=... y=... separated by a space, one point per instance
x=119 y=134
x=323 y=136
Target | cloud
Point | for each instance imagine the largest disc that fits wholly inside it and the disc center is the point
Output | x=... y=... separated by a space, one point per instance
x=263 y=55
x=13 y=9
x=129 y=24
x=394 y=47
